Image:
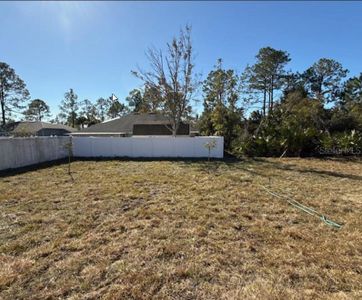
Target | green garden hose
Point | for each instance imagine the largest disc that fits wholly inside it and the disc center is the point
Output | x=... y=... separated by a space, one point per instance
x=304 y=208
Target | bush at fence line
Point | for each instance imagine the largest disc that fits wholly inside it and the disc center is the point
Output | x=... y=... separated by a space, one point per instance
x=341 y=143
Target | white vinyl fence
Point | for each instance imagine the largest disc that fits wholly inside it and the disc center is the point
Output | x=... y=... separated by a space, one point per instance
x=21 y=152
x=147 y=146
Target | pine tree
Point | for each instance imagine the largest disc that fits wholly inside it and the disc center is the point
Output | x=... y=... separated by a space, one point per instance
x=69 y=108
x=266 y=76
x=221 y=114
x=13 y=92
x=324 y=80
x=117 y=109
x=37 y=110
x=102 y=106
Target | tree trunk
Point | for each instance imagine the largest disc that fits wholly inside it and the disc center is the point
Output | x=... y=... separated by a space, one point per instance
x=3 y=112
x=271 y=94
x=2 y=100
x=173 y=126
x=264 y=102
x=174 y=130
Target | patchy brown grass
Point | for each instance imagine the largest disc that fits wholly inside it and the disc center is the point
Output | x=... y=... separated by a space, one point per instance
x=181 y=230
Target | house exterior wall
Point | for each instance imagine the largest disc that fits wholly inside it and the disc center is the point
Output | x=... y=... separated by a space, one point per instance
x=99 y=134
x=159 y=129
x=51 y=131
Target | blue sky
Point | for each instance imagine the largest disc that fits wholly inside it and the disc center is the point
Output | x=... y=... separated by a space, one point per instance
x=92 y=46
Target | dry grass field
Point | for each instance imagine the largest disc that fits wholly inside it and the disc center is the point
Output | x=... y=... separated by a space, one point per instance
x=181 y=230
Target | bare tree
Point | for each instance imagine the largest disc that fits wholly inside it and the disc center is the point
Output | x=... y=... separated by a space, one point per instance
x=171 y=75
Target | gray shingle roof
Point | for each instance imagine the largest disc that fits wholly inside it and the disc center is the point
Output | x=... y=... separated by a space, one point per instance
x=125 y=124
x=32 y=127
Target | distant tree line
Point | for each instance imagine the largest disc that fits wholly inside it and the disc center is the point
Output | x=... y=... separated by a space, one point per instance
x=279 y=112
x=86 y=113
x=267 y=110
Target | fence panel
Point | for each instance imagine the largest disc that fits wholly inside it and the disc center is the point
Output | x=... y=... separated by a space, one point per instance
x=21 y=152
x=146 y=146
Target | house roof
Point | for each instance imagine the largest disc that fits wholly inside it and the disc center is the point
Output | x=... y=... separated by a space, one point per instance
x=32 y=127
x=125 y=124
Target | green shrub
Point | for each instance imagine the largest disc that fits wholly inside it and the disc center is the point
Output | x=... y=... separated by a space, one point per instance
x=341 y=143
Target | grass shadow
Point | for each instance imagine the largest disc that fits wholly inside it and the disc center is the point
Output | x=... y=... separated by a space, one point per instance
x=229 y=163
x=64 y=161
x=294 y=168
x=214 y=166
x=35 y=167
